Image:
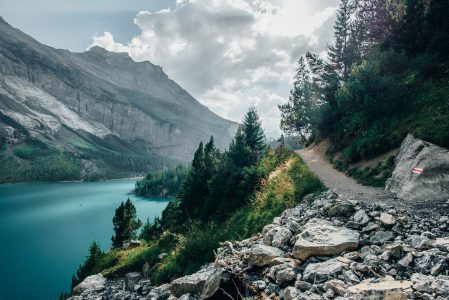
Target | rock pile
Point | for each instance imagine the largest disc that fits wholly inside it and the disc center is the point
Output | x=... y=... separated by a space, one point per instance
x=328 y=247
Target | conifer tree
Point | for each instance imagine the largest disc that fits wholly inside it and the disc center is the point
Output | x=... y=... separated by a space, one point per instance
x=340 y=53
x=296 y=113
x=253 y=134
x=125 y=223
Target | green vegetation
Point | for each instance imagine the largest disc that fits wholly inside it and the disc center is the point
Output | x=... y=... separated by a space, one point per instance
x=227 y=195
x=125 y=223
x=385 y=76
x=167 y=183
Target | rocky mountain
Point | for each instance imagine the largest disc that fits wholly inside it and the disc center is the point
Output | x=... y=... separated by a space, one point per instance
x=94 y=107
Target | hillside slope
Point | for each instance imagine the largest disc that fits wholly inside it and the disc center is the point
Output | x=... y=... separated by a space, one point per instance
x=96 y=108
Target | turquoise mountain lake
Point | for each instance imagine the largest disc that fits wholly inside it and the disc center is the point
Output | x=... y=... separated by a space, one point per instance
x=46 y=229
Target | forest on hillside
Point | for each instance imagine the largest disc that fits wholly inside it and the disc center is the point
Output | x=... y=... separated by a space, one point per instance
x=386 y=74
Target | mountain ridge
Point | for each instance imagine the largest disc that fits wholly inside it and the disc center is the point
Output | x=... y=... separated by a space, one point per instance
x=99 y=96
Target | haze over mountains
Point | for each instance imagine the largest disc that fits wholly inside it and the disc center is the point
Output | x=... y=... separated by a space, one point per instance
x=100 y=109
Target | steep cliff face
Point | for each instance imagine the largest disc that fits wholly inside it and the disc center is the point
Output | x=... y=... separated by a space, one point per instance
x=78 y=101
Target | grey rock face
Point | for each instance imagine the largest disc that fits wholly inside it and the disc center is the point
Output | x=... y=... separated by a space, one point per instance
x=320 y=237
x=432 y=184
x=100 y=95
x=89 y=284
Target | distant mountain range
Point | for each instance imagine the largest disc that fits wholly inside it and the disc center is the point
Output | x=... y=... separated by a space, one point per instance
x=90 y=115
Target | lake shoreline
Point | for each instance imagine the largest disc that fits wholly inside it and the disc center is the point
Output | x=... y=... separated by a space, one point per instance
x=72 y=181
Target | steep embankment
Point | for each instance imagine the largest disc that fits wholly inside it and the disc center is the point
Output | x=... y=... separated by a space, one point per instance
x=349 y=244
x=97 y=113
x=328 y=246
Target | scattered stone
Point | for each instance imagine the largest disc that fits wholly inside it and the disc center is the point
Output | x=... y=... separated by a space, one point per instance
x=405 y=261
x=320 y=237
x=291 y=293
x=384 y=289
x=370 y=227
x=341 y=210
x=360 y=217
x=281 y=237
x=387 y=219
x=303 y=285
x=338 y=287
x=320 y=272
x=131 y=279
x=381 y=237
x=261 y=255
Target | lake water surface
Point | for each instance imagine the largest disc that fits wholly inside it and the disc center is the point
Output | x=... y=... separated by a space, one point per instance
x=46 y=229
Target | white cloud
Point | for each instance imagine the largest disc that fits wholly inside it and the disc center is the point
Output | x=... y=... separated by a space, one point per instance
x=231 y=54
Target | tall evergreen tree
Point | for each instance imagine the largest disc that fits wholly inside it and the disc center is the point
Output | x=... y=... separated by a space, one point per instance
x=253 y=134
x=296 y=114
x=89 y=264
x=125 y=223
x=195 y=188
x=340 y=54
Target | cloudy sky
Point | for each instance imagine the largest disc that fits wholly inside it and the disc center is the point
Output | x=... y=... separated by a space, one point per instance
x=229 y=54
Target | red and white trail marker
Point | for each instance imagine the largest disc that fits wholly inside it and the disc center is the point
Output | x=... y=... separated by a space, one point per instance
x=418 y=170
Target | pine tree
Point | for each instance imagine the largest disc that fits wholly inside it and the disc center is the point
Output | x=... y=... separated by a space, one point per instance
x=195 y=188
x=89 y=264
x=296 y=114
x=340 y=53
x=125 y=223
x=240 y=154
x=253 y=134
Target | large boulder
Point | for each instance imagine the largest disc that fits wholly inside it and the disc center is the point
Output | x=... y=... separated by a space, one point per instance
x=430 y=181
x=320 y=237
x=320 y=272
x=262 y=255
x=388 y=289
x=90 y=284
x=203 y=283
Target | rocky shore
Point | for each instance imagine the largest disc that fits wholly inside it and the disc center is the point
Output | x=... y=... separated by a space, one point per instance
x=329 y=247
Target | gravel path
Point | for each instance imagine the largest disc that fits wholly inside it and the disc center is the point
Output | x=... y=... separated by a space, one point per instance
x=340 y=183
x=337 y=181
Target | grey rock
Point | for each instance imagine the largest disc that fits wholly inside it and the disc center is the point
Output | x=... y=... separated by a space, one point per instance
x=441 y=285
x=260 y=285
x=291 y=293
x=430 y=185
x=422 y=283
x=371 y=226
x=361 y=218
x=387 y=219
x=381 y=237
x=338 y=287
x=261 y=255
x=405 y=261
x=384 y=289
x=281 y=237
x=419 y=242
x=204 y=282
x=303 y=285
x=320 y=272
x=320 y=237
x=131 y=279
x=90 y=283
x=426 y=260
x=341 y=210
